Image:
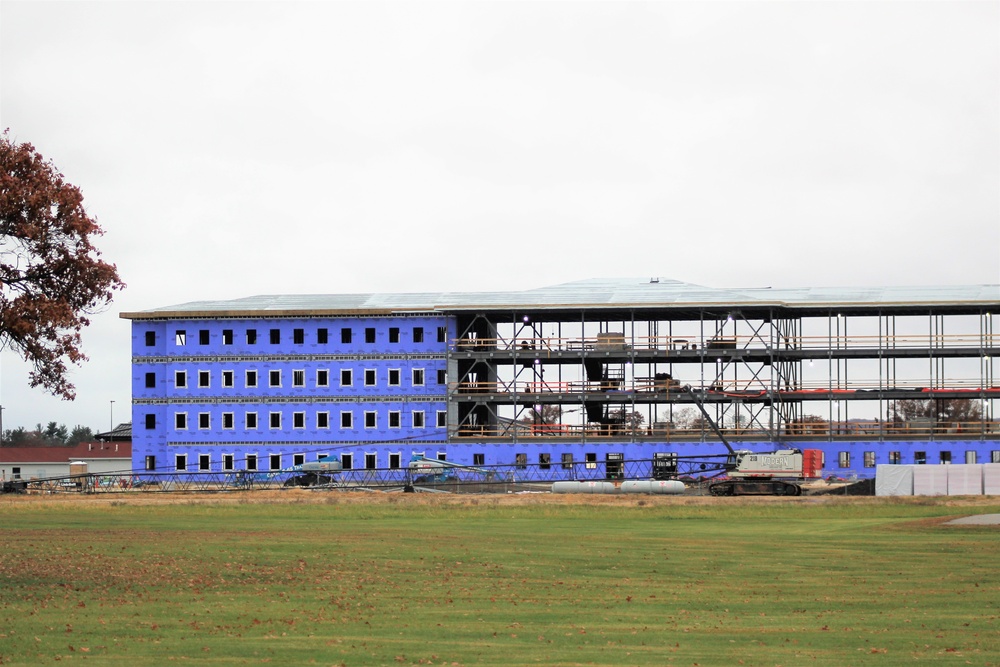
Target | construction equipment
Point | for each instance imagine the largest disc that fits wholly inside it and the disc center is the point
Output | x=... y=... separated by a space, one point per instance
x=777 y=473
x=423 y=470
x=314 y=473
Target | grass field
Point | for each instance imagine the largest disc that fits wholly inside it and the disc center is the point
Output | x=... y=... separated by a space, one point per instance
x=302 y=578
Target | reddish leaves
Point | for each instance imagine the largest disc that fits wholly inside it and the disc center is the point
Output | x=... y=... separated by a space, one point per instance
x=51 y=275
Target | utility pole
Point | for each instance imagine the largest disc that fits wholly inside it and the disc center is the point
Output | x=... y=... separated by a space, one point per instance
x=112 y=419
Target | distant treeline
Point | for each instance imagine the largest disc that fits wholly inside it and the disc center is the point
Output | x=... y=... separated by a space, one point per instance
x=52 y=435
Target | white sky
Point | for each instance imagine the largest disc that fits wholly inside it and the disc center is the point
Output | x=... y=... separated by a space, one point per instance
x=231 y=149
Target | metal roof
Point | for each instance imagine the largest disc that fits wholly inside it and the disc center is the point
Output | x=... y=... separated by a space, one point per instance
x=597 y=293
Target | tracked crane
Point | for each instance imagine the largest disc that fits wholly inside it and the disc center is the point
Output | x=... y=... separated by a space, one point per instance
x=777 y=473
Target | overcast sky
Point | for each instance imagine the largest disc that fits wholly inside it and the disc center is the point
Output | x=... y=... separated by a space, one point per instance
x=231 y=149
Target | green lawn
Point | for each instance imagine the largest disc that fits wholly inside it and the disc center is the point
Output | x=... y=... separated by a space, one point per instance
x=498 y=581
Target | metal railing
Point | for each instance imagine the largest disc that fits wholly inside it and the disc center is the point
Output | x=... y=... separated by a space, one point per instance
x=607 y=343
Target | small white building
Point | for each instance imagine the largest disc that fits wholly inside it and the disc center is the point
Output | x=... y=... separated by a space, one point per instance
x=26 y=463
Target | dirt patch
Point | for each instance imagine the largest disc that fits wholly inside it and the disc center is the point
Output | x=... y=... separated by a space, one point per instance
x=303 y=496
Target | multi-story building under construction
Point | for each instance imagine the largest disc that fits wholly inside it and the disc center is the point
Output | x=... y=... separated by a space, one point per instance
x=596 y=372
